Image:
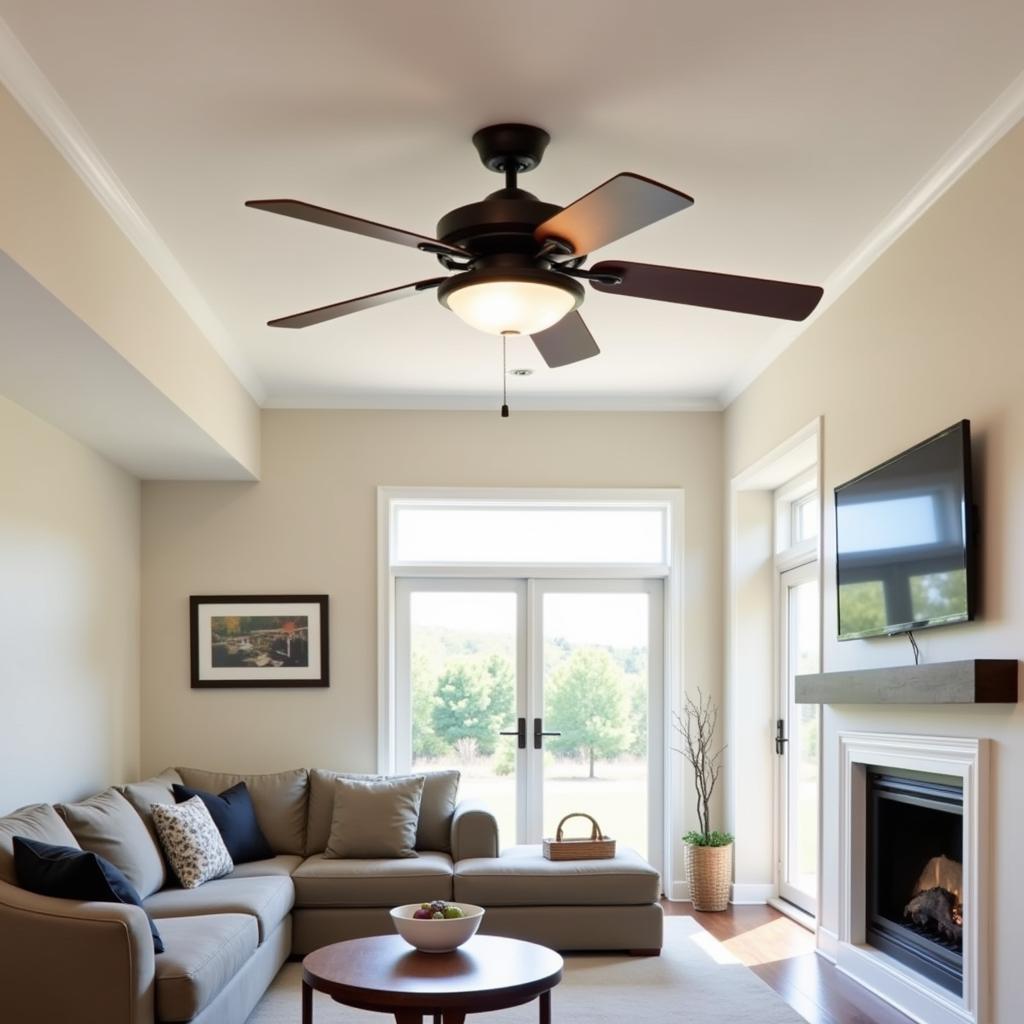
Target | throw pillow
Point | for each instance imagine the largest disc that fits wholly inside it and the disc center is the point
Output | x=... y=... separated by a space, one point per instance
x=72 y=874
x=37 y=821
x=375 y=819
x=235 y=818
x=437 y=808
x=191 y=842
x=108 y=825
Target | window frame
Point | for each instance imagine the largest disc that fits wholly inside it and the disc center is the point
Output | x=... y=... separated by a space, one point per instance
x=454 y=502
x=671 y=572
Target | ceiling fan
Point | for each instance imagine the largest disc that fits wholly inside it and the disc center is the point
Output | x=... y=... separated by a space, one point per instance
x=516 y=262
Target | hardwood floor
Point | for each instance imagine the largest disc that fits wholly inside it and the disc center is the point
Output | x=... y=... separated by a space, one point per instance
x=781 y=952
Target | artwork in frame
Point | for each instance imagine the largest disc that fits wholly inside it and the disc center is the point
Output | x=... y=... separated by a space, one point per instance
x=259 y=641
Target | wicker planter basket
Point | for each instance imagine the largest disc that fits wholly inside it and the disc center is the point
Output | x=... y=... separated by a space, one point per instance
x=709 y=872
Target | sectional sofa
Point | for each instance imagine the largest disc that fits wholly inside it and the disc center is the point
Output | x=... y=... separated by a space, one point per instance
x=93 y=963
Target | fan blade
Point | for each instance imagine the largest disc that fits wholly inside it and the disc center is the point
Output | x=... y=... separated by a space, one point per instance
x=617 y=208
x=357 y=225
x=569 y=341
x=336 y=309
x=755 y=295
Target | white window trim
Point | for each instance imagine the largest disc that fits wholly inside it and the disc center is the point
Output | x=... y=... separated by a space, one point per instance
x=672 y=609
x=789 y=556
x=788 y=499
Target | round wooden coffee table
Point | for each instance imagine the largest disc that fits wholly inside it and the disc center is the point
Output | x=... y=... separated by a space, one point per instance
x=386 y=974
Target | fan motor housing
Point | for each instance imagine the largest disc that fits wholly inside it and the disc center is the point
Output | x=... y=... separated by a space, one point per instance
x=503 y=222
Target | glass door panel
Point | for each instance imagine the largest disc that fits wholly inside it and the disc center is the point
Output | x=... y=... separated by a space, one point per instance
x=799 y=769
x=464 y=670
x=596 y=692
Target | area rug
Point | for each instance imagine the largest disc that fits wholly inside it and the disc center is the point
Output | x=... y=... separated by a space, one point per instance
x=695 y=979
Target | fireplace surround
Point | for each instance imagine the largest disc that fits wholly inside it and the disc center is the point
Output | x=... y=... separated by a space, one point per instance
x=941 y=980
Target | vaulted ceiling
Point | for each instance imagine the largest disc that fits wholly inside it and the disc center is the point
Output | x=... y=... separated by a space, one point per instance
x=807 y=132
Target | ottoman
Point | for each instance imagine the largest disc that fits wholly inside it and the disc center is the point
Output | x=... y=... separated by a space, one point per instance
x=567 y=905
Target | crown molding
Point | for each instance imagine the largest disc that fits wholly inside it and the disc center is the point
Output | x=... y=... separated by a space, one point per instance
x=980 y=137
x=25 y=81
x=491 y=402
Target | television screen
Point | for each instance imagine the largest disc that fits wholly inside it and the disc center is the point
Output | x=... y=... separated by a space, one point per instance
x=904 y=540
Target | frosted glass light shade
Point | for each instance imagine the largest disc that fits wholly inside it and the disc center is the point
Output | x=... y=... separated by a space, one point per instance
x=511 y=307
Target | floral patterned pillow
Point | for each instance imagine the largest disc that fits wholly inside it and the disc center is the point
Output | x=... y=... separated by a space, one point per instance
x=194 y=847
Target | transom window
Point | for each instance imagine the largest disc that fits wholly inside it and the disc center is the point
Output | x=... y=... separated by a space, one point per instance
x=529 y=533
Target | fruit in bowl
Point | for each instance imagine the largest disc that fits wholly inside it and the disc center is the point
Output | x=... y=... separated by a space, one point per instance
x=438 y=926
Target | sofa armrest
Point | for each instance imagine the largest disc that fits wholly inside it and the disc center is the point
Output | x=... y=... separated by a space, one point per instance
x=474 y=831
x=91 y=963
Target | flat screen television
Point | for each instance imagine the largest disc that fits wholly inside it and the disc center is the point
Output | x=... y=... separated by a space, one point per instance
x=905 y=542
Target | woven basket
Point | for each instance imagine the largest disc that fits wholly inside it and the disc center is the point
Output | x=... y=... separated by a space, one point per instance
x=597 y=847
x=709 y=872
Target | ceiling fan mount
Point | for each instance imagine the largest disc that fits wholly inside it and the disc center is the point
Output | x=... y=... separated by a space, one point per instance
x=511 y=147
x=517 y=261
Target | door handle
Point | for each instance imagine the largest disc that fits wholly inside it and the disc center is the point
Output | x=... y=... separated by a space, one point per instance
x=539 y=734
x=519 y=733
x=780 y=736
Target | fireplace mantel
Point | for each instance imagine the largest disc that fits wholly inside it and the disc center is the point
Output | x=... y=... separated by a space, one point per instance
x=979 y=681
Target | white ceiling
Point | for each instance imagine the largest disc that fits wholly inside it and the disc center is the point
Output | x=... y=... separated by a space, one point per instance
x=799 y=127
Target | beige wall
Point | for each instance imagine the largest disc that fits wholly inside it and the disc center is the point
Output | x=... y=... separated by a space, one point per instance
x=69 y=615
x=932 y=333
x=310 y=526
x=53 y=227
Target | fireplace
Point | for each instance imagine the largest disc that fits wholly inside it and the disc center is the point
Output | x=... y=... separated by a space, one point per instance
x=914 y=815
x=914 y=871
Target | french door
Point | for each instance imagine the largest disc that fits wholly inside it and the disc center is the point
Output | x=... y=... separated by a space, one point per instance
x=797 y=738
x=546 y=695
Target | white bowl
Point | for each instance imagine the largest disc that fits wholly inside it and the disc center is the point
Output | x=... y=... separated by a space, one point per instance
x=431 y=936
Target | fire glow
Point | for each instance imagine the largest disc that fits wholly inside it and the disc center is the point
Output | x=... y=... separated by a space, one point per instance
x=936 y=901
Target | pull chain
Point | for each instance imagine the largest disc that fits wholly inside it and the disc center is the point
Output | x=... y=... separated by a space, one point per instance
x=504 y=377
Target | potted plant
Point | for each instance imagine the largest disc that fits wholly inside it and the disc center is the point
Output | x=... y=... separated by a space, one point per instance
x=708 y=853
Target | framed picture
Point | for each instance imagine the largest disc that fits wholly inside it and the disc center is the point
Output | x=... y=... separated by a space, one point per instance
x=259 y=641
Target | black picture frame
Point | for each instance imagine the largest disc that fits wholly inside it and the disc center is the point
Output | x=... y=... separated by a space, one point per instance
x=257 y=657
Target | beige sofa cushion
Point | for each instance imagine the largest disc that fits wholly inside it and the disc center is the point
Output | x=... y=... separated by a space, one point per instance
x=109 y=826
x=282 y=864
x=36 y=821
x=325 y=882
x=269 y=899
x=154 y=790
x=202 y=954
x=437 y=807
x=522 y=877
x=279 y=799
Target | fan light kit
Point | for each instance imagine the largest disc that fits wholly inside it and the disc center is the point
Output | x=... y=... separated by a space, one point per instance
x=509 y=302
x=516 y=262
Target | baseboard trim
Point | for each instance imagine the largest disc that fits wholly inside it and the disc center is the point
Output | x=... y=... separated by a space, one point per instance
x=680 y=893
x=744 y=894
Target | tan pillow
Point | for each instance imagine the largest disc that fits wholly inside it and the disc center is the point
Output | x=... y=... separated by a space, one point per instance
x=108 y=825
x=375 y=819
x=36 y=821
x=321 y=805
x=434 y=831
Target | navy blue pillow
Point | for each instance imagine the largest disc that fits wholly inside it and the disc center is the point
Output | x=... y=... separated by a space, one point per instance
x=71 y=874
x=235 y=818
